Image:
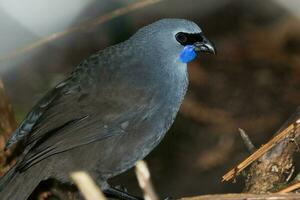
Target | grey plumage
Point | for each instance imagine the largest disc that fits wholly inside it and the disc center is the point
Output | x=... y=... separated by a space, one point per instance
x=113 y=110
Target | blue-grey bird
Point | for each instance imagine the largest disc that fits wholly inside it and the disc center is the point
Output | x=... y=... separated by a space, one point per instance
x=112 y=110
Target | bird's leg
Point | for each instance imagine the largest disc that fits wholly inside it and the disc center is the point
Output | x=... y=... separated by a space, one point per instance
x=112 y=192
x=121 y=187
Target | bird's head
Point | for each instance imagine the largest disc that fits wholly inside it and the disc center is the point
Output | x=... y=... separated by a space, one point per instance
x=181 y=39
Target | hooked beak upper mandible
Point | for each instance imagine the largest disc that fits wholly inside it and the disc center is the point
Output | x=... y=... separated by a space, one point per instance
x=205 y=46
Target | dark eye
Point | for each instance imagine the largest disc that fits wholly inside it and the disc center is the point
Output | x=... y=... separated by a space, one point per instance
x=181 y=38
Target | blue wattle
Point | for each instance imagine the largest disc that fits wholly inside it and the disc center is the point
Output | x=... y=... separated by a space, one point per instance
x=187 y=54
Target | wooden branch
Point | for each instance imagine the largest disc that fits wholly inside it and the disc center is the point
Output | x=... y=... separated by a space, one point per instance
x=144 y=180
x=262 y=150
x=274 y=161
x=274 y=169
x=82 y=27
x=87 y=186
x=290 y=188
x=245 y=197
x=248 y=143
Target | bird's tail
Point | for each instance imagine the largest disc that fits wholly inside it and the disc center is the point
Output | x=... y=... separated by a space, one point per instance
x=16 y=186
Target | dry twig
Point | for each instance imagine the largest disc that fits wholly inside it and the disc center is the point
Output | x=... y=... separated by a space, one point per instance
x=261 y=151
x=87 y=186
x=273 y=170
x=290 y=188
x=143 y=176
x=84 y=26
x=248 y=143
x=246 y=197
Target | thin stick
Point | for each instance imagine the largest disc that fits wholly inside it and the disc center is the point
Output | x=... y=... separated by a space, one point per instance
x=83 y=26
x=143 y=176
x=261 y=151
x=290 y=188
x=87 y=186
x=247 y=141
x=245 y=196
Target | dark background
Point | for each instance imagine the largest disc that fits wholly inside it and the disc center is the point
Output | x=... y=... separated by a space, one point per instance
x=253 y=83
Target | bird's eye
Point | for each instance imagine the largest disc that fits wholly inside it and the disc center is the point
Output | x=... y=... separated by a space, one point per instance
x=181 y=38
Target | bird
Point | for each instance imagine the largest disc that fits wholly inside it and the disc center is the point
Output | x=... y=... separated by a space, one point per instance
x=111 y=111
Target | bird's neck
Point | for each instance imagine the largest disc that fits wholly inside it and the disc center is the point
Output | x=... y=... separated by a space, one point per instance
x=165 y=64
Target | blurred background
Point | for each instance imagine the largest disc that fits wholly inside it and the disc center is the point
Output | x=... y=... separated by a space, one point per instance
x=253 y=83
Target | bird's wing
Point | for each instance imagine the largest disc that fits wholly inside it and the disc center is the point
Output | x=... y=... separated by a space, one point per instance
x=34 y=116
x=73 y=134
x=64 y=119
x=59 y=107
x=82 y=129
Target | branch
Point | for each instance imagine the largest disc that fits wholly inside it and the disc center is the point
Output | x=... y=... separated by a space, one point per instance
x=87 y=186
x=262 y=150
x=274 y=161
x=143 y=176
x=82 y=27
x=245 y=197
x=247 y=141
x=7 y=120
x=290 y=188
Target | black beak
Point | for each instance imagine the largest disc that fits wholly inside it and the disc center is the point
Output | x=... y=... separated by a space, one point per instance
x=205 y=46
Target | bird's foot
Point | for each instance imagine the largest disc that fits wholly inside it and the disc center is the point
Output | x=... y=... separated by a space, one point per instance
x=119 y=193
